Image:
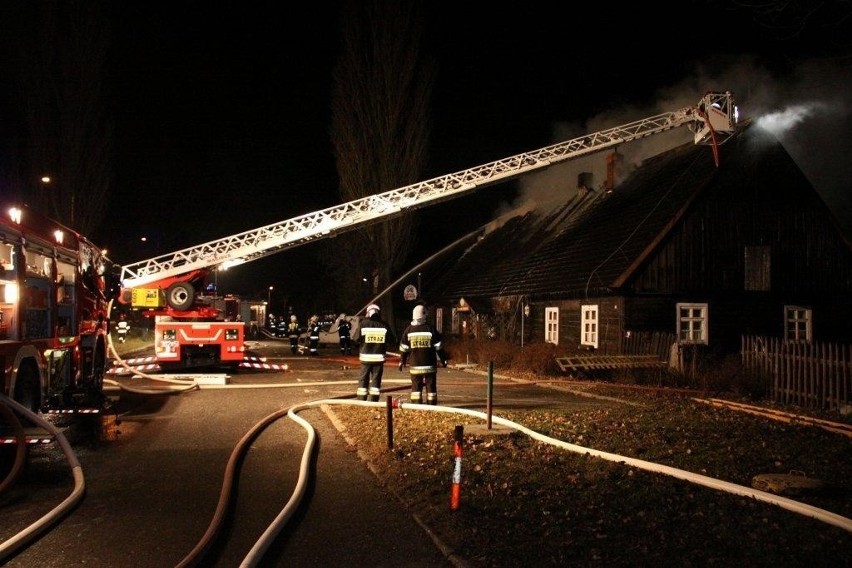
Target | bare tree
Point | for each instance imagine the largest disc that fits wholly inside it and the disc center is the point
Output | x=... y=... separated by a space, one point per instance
x=380 y=133
x=58 y=52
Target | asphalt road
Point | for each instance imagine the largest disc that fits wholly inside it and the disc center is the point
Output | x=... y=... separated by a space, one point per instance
x=153 y=485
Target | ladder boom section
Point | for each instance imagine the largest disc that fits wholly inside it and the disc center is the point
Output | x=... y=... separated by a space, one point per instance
x=297 y=231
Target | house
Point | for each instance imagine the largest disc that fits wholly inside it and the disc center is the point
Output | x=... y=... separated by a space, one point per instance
x=682 y=248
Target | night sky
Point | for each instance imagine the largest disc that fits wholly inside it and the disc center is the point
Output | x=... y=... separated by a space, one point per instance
x=223 y=115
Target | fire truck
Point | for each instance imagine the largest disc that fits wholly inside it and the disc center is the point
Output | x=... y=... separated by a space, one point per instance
x=55 y=288
x=190 y=327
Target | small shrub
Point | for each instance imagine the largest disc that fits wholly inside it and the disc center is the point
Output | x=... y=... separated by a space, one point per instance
x=539 y=358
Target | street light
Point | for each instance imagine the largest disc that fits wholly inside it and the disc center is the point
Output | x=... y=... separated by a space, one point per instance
x=269 y=296
x=46 y=180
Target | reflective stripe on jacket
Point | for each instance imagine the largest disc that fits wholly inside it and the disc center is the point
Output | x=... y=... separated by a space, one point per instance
x=421 y=346
x=373 y=341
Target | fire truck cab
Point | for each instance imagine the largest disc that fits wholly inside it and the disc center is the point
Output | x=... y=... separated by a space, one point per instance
x=55 y=288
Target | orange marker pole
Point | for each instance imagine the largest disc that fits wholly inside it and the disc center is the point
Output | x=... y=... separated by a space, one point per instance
x=455 y=495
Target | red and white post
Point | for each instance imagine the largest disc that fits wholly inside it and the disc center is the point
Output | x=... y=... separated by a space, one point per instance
x=455 y=494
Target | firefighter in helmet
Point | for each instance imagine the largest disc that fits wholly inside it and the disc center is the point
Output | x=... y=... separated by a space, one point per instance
x=293 y=333
x=313 y=335
x=123 y=328
x=344 y=332
x=421 y=346
x=373 y=342
x=281 y=327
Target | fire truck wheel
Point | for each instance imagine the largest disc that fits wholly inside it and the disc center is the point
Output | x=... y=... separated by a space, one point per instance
x=180 y=295
x=27 y=386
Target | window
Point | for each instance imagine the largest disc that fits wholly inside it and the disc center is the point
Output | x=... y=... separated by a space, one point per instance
x=551 y=325
x=439 y=319
x=758 y=265
x=692 y=323
x=797 y=324
x=7 y=256
x=455 y=322
x=589 y=326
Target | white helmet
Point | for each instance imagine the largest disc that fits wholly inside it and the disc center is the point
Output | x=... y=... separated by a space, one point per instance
x=293 y=318
x=418 y=315
x=372 y=310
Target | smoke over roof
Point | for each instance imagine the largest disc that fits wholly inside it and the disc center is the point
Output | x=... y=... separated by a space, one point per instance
x=809 y=111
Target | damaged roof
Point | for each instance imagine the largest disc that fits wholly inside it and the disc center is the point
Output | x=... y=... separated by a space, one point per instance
x=594 y=243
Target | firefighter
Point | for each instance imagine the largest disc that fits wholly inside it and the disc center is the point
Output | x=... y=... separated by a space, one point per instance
x=344 y=331
x=293 y=333
x=313 y=335
x=421 y=344
x=281 y=327
x=373 y=342
x=123 y=328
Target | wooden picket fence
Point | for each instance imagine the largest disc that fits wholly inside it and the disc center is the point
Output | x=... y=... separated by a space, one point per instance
x=810 y=375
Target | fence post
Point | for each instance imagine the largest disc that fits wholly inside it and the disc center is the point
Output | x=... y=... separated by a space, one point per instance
x=390 y=406
x=489 y=403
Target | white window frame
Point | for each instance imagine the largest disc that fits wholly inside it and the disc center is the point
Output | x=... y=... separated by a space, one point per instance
x=589 y=325
x=798 y=324
x=692 y=323
x=551 y=325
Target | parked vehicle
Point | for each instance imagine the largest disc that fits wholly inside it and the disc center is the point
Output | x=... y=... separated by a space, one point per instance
x=55 y=287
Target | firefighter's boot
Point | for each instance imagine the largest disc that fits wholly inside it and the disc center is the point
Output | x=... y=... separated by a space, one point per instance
x=375 y=392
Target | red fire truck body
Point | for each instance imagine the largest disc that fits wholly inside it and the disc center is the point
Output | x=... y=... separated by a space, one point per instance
x=199 y=343
x=54 y=299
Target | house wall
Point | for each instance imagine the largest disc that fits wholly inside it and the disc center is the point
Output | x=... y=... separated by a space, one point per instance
x=610 y=323
x=707 y=252
x=704 y=259
x=649 y=313
x=729 y=317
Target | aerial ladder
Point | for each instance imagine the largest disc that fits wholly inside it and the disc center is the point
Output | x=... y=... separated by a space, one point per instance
x=170 y=279
x=169 y=284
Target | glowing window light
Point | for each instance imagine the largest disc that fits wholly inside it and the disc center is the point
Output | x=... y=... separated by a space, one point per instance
x=59 y=236
x=10 y=294
x=15 y=215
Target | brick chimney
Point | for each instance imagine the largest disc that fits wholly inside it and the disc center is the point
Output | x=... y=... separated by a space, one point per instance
x=613 y=166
